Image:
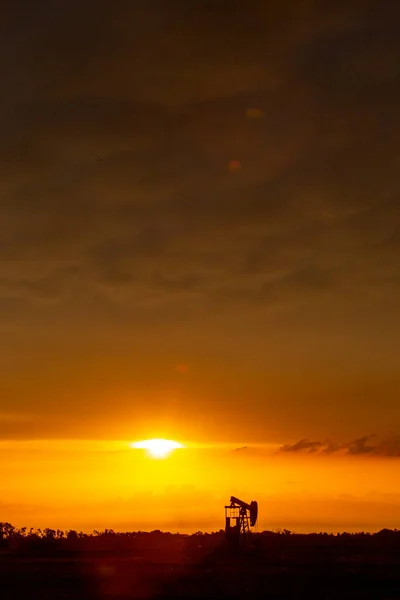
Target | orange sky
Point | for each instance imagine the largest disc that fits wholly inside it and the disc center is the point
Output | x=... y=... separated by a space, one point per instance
x=97 y=485
x=199 y=240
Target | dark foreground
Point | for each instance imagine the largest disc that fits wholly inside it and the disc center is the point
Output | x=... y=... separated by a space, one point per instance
x=278 y=566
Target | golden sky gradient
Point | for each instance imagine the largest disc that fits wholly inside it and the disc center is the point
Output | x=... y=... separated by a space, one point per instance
x=97 y=485
x=200 y=225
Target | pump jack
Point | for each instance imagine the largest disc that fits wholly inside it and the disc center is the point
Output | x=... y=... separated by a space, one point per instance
x=243 y=516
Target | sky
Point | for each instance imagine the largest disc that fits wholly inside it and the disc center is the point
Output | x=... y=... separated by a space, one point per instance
x=200 y=241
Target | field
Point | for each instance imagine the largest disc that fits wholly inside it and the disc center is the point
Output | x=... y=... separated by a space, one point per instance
x=199 y=566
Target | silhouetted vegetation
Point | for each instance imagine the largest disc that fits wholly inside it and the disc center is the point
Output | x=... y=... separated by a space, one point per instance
x=39 y=541
x=53 y=563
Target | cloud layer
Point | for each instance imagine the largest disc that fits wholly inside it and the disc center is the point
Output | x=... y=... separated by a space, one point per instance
x=203 y=186
x=115 y=168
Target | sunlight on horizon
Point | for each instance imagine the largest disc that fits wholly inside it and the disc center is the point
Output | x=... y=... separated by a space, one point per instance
x=86 y=485
x=157 y=447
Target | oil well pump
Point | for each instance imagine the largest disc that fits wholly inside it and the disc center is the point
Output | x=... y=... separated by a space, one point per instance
x=239 y=517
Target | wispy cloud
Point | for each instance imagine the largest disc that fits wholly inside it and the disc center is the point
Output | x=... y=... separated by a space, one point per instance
x=303 y=444
x=360 y=446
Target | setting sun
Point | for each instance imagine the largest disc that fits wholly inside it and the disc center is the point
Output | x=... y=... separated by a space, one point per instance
x=157 y=448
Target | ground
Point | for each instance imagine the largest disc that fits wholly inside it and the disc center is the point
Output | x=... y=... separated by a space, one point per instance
x=280 y=567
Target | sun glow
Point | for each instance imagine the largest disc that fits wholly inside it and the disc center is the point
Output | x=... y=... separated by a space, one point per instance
x=157 y=448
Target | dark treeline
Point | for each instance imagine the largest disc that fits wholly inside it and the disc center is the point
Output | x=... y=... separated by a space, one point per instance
x=175 y=545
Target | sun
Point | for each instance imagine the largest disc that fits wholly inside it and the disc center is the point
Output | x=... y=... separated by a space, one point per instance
x=157 y=447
